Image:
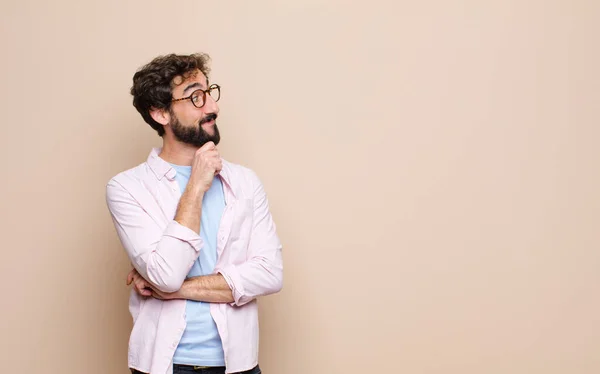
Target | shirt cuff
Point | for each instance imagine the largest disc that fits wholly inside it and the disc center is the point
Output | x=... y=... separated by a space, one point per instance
x=184 y=233
x=233 y=279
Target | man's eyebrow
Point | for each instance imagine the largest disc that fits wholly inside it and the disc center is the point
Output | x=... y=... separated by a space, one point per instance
x=193 y=85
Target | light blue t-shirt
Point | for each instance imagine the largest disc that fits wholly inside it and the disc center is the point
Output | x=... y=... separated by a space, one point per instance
x=201 y=344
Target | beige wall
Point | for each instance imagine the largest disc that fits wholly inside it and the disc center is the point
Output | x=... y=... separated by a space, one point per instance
x=432 y=167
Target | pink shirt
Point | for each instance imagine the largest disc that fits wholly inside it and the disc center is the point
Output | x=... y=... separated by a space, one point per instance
x=142 y=202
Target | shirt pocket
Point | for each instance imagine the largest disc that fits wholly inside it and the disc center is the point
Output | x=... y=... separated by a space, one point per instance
x=241 y=226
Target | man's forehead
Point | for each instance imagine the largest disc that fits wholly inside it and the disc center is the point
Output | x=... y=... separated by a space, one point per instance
x=191 y=77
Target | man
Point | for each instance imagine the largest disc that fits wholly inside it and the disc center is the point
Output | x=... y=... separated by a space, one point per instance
x=197 y=230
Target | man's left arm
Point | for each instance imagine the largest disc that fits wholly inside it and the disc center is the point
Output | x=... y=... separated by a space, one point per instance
x=260 y=275
x=206 y=288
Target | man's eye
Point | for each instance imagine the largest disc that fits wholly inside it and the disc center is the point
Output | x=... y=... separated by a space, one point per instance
x=196 y=98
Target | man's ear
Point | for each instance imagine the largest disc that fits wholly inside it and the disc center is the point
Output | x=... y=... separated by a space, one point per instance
x=161 y=116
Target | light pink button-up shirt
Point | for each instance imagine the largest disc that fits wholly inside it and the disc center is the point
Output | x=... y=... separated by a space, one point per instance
x=142 y=202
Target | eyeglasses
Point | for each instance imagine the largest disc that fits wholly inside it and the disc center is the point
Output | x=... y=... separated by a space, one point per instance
x=198 y=97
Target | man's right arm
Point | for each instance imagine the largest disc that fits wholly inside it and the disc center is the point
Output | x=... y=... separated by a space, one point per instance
x=163 y=256
x=189 y=209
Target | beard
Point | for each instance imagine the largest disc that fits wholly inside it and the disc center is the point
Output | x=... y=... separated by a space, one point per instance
x=195 y=135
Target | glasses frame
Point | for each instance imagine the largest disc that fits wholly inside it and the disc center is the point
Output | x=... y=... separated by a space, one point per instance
x=213 y=86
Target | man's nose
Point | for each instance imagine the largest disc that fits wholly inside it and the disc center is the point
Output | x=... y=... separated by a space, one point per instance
x=210 y=106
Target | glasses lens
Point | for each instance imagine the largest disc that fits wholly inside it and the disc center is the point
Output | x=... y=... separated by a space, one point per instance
x=215 y=92
x=198 y=98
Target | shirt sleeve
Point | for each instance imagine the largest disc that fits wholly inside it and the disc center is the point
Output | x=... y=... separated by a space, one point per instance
x=262 y=273
x=162 y=255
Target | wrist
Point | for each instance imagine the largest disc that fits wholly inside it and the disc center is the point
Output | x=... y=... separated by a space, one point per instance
x=184 y=291
x=197 y=190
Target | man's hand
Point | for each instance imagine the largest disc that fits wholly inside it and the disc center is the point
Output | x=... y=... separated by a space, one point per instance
x=140 y=285
x=206 y=164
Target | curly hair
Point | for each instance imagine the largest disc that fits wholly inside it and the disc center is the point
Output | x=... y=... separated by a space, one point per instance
x=153 y=83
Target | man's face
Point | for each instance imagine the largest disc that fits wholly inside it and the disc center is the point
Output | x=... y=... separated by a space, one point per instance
x=192 y=125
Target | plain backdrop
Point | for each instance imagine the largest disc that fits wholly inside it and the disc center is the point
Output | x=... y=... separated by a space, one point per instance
x=432 y=168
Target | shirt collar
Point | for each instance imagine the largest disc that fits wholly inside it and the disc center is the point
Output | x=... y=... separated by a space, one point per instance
x=162 y=168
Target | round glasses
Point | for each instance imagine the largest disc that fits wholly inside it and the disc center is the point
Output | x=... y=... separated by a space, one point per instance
x=198 y=97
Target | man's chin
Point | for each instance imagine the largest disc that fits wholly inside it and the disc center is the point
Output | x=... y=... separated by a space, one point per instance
x=212 y=132
x=215 y=139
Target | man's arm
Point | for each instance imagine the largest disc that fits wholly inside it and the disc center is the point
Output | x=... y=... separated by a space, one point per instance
x=205 y=166
x=162 y=256
x=262 y=273
x=206 y=288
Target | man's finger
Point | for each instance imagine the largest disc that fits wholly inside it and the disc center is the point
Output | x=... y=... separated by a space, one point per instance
x=138 y=287
x=130 y=276
x=137 y=278
x=141 y=289
x=155 y=295
x=207 y=146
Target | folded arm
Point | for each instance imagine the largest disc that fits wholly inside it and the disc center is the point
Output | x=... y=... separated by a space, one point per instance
x=260 y=275
x=163 y=256
x=206 y=288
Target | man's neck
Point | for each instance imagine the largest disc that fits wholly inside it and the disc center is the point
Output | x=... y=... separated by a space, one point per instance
x=178 y=153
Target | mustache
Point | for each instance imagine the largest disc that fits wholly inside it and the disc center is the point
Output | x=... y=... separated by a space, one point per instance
x=208 y=118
